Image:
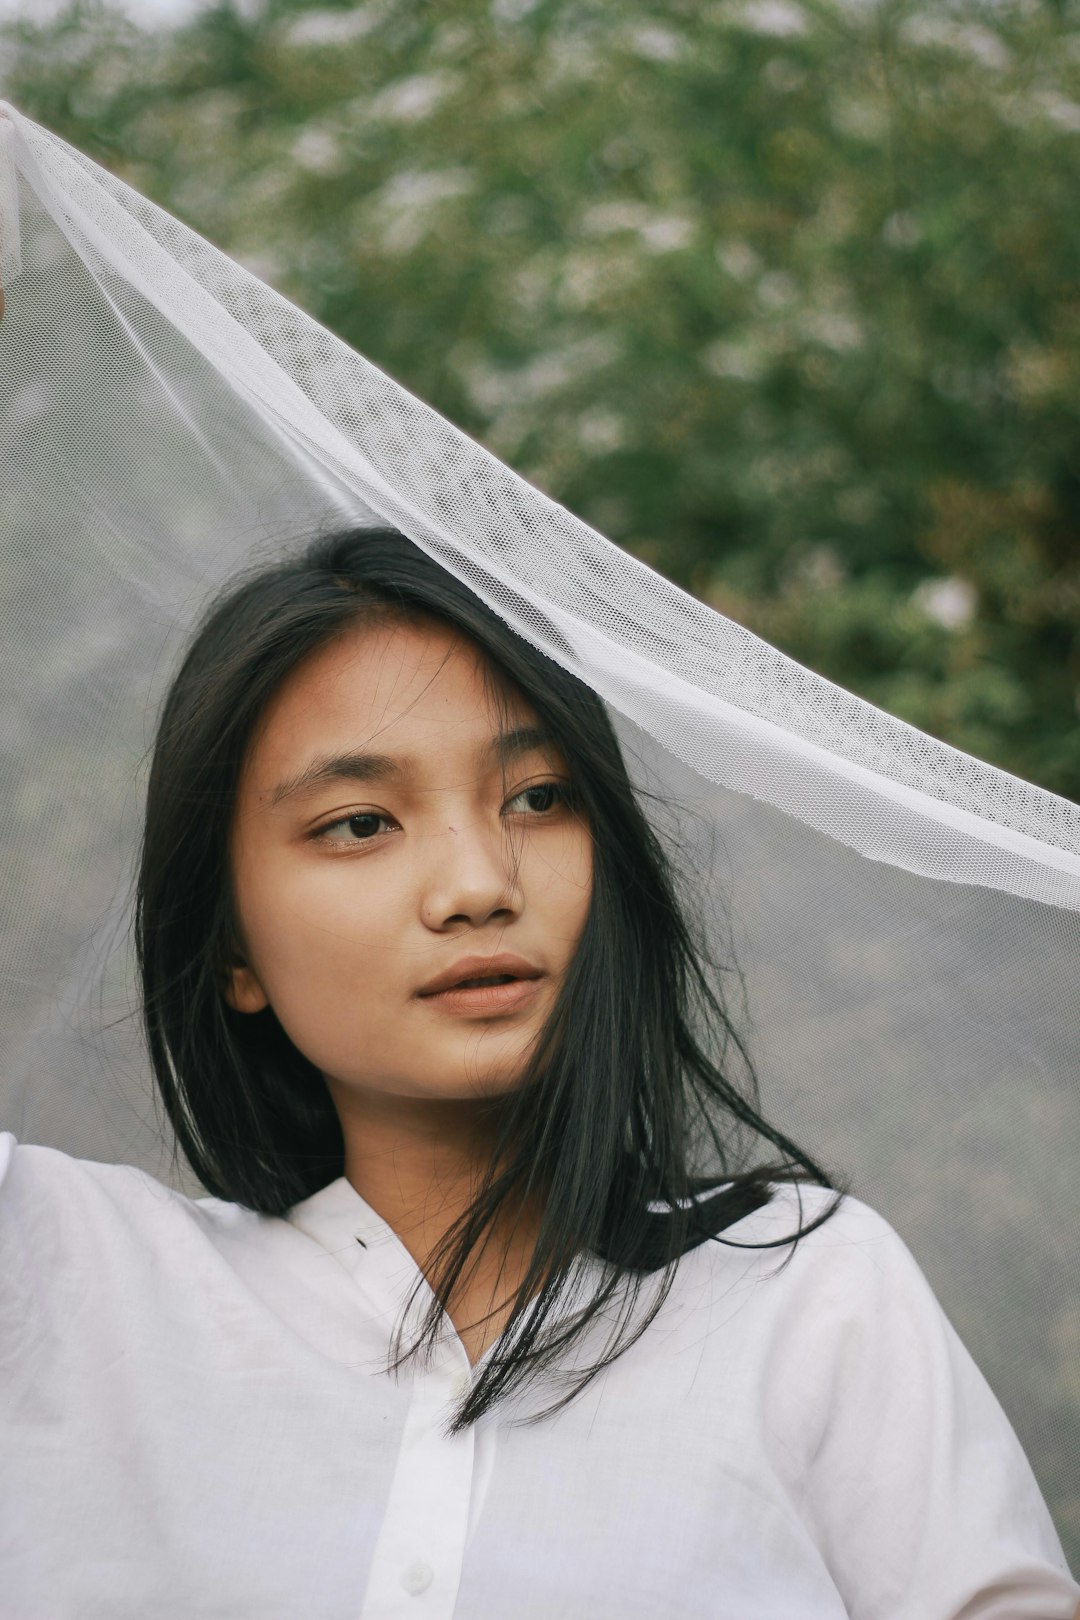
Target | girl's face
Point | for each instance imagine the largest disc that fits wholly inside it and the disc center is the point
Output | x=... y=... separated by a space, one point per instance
x=398 y=832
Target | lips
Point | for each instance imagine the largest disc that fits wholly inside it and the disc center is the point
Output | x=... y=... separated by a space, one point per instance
x=474 y=973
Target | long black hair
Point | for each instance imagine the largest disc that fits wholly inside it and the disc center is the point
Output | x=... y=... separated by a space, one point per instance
x=638 y=1063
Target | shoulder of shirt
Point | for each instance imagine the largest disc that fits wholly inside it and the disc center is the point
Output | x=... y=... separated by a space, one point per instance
x=799 y=1204
x=46 y=1177
x=855 y=1248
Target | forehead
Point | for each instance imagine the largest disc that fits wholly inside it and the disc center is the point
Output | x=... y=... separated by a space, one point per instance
x=400 y=686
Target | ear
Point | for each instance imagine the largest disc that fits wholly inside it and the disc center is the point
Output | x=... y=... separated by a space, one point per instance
x=243 y=992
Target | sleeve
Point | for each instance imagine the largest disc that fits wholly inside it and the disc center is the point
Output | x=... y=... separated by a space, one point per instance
x=27 y=1249
x=912 y=1479
x=66 y=1228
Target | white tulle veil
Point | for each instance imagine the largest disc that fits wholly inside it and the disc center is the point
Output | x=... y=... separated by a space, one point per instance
x=905 y=917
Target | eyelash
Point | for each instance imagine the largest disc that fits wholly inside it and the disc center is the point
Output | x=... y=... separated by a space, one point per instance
x=561 y=790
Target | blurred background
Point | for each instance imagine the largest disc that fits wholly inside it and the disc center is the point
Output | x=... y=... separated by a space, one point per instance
x=781 y=295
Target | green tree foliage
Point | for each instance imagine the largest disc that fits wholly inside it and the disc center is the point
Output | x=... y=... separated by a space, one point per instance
x=782 y=295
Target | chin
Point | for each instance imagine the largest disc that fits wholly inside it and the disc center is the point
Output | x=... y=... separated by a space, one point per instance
x=493 y=1082
x=492 y=1079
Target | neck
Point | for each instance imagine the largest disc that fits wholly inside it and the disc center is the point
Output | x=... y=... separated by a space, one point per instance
x=419 y=1163
x=415 y=1160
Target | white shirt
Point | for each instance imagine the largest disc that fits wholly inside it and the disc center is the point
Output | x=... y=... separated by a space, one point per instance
x=196 y=1421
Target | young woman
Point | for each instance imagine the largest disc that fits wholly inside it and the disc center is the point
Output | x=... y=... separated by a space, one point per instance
x=428 y=1019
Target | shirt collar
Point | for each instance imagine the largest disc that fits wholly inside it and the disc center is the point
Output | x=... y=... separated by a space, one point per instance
x=345 y=1225
x=337 y=1216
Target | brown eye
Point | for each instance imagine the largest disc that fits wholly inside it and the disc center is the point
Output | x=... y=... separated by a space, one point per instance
x=540 y=798
x=359 y=828
x=365 y=825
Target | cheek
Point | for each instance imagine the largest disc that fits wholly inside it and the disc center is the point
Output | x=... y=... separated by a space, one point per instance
x=558 y=879
x=328 y=944
x=309 y=926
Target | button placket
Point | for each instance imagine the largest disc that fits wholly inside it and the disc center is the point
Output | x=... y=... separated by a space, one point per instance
x=421 y=1543
x=417 y=1559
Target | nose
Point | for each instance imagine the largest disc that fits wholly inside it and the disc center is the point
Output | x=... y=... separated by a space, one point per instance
x=472 y=879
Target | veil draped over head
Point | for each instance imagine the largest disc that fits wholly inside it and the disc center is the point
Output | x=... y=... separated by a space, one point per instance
x=898 y=921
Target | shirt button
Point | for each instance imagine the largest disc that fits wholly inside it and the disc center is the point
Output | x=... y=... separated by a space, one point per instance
x=417 y=1578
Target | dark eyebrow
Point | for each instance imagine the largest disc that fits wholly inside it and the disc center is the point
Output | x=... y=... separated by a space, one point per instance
x=379 y=768
x=337 y=768
x=510 y=745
